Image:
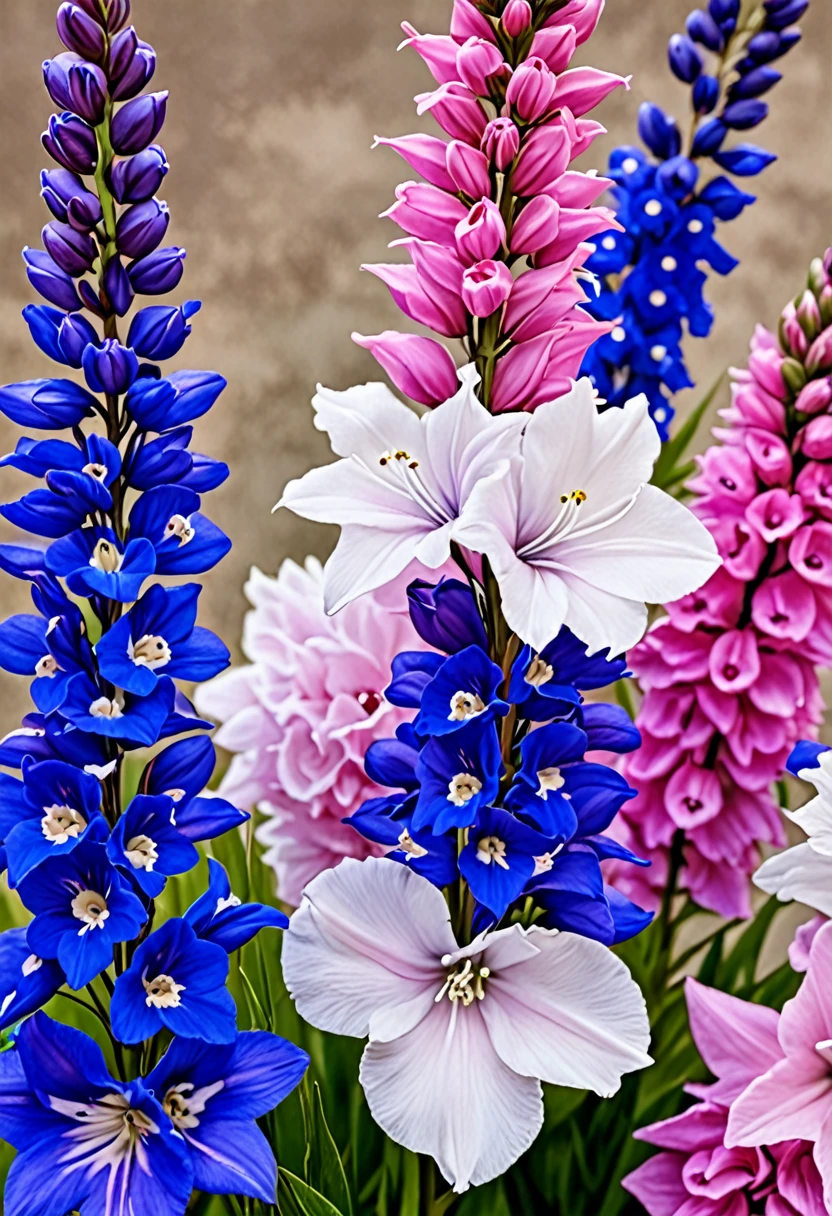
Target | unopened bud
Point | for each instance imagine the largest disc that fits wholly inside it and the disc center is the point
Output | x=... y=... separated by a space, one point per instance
x=808 y=314
x=794 y=374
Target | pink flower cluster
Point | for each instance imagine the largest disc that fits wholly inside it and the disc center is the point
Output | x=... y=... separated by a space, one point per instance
x=697 y=1174
x=499 y=197
x=302 y=714
x=729 y=676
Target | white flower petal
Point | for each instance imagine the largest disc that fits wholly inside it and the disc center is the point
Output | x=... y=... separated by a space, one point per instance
x=366 y=421
x=815 y=818
x=571 y=1015
x=442 y=1090
x=343 y=960
x=799 y=873
x=602 y=620
x=364 y=559
x=349 y=492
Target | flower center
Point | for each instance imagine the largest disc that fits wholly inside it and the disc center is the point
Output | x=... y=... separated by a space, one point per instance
x=229 y=901
x=576 y=496
x=180 y=527
x=401 y=468
x=141 y=852
x=47 y=666
x=95 y=470
x=163 y=992
x=62 y=823
x=465 y=705
x=550 y=779
x=539 y=672
x=463 y=788
x=90 y=908
x=491 y=848
x=409 y=845
x=31 y=965
x=176 y=794
x=182 y=1103
x=151 y=651
x=465 y=984
x=544 y=863
x=109 y=1132
x=105 y=708
x=369 y=702
x=106 y=557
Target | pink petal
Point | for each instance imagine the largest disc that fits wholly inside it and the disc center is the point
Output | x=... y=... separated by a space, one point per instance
x=736 y=1039
x=790 y=1102
x=657 y=1184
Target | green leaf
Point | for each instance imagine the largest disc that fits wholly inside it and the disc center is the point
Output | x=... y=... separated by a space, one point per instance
x=295 y=1198
x=666 y=472
x=324 y=1167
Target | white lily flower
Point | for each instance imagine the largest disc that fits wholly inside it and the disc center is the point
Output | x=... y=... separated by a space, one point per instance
x=804 y=872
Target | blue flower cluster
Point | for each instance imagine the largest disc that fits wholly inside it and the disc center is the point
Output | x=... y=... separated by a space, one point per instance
x=653 y=273
x=491 y=777
x=118 y=503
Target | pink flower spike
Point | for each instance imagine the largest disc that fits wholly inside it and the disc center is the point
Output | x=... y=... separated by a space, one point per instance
x=539 y=300
x=485 y=287
x=458 y=1037
x=422 y=299
x=544 y=156
x=776 y=514
x=735 y=661
x=425 y=212
x=531 y=90
x=814 y=397
x=582 y=89
x=555 y=46
x=426 y=154
x=516 y=18
x=421 y=367
x=468 y=22
x=476 y=60
x=583 y=15
x=467 y=169
x=501 y=142
x=481 y=233
x=456 y=109
x=814 y=485
x=693 y=796
x=771 y=457
x=437 y=50
x=579 y=189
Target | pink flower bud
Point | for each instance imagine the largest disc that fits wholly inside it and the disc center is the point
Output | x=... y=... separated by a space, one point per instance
x=420 y=367
x=437 y=50
x=456 y=109
x=426 y=154
x=536 y=226
x=693 y=796
x=539 y=300
x=476 y=60
x=426 y=212
x=531 y=89
x=586 y=133
x=776 y=514
x=481 y=233
x=814 y=397
x=520 y=373
x=468 y=169
x=544 y=156
x=827 y=262
x=766 y=367
x=816 y=438
x=808 y=314
x=819 y=354
x=501 y=142
x=555 y=46
x=814 y=485
x=784 y=607
x=517 y=17
x=793 y=335
x=810 y=552
x=583 y=15
x=771 y=457
x=485 y=287
x=735 y=660
x=579 y=189
x=575 y=227
x=429 y=290
x=468 y=22
x=582 y=89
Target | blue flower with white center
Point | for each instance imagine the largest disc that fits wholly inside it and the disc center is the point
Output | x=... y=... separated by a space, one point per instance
x=185 y=541
x=175 y=982
x=97 y=457
x=159 y=635
x=219 y=916
x=92 y=561
x=465 y=687
x=389 y=821
x=545 y=685
x=85 y=1141
x=214 y=1095
x=575 y=899
x=128 y=718
x=47 y=814
x=181 y=772
x=146 y=845
x=62 y=507
x=27 y=981
x=501 y=856
x=458 y=774
x=51 y=738
x=82 y=908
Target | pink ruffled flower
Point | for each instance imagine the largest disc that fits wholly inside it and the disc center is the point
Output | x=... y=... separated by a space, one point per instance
x=304 y=711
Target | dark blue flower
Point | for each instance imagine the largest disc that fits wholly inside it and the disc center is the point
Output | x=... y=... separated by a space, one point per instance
x=805 y=754
x=147 y=846
x=175 y=982
x=446 y=615
x=59 y=1104
x=219 y=916
x=545 y=685
x=185 y=541
x=159 y=635
x=129 y=719
x=60 y=508
x=47 y=405
x=181 y=772
x=27 y=981
x=82 y=909
x=139 y=178
x=214 y=1096
x=159 y=332
x=500 y=858
x=412 y=671
x=458 y=774
x=93 y=561
x=389 y=822
x=465 y=687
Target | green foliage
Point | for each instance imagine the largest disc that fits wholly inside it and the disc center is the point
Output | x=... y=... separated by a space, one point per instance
x=672 y=470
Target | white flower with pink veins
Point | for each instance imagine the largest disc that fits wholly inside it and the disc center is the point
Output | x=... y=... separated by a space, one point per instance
x=301 y=716
x=459 y=1037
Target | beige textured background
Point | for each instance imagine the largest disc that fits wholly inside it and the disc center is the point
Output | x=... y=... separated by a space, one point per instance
x=274 y=191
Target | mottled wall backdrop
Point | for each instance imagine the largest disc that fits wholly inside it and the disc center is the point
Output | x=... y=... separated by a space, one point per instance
x=274 y=191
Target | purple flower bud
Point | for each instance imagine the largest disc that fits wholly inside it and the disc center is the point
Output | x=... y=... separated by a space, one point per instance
x=516 y=18
x=118 y=287
x=709 y=138
x=122 y=49
x=76 y=85
x=685 y=60
x=705 y=93
x=158 y=273
x=476 y=60
x=703 y=29
x=44 y=324
x=69 y=200
x=138 y=123
x=70 y=142
x=531 y=89
x=75 y=334
x=755 y=83
x=79 y=32
x=110 y=368
x=481 y=233
x=48 y=279
x=92 y=301
x=73 y=251
x=742 y=115
x=139 y=72
x=778 y=16
x=142 y=228
x=421 y=367
x=677 y=176
x=137 y=179
x=769 y=45
x=118 y=14
x=486 y=287
x=501 y=142
x=659 y=131
x=468 y=168
x=159 y=332
x=724 y=10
